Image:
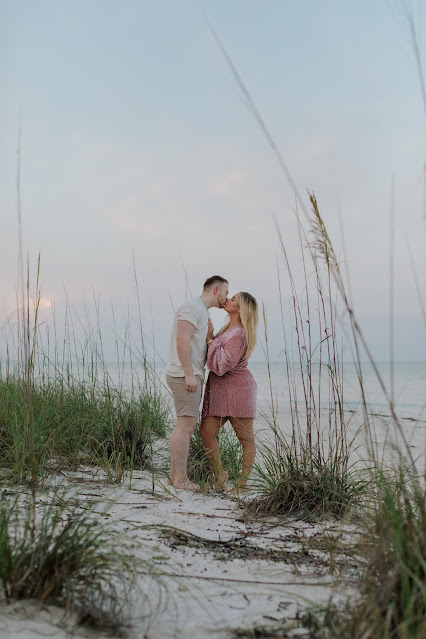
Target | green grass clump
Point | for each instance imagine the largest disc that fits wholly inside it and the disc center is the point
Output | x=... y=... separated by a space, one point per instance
x=394 y=594
x=391 y=603
x=297 y=479
x=56 y=424
x=65 y=557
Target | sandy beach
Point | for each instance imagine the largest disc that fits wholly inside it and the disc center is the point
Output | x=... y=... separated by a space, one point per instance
x=219 y=574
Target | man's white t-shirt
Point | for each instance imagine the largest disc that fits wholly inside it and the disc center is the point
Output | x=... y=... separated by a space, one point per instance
x=195 y=312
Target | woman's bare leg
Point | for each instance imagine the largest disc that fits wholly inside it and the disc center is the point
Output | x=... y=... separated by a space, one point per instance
x=209 y=430
x=244 y=431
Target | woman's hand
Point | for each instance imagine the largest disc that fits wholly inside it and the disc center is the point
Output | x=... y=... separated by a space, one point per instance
x=209 y=332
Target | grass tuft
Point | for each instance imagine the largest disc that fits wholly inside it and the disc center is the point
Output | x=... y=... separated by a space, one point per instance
x=65 y=557
x=299 y=480
x=393 y=600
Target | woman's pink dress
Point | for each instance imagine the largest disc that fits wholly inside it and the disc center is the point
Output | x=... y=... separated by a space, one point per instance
x=230 y=390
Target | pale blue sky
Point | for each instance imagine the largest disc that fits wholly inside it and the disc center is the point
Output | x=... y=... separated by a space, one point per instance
x=135 y=136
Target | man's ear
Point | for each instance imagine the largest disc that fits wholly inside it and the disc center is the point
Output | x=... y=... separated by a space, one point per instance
x=215 y=290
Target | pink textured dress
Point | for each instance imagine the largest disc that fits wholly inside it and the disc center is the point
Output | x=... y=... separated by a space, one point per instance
x=230 y=390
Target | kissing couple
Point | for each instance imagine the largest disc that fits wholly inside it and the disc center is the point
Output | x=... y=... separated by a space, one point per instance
x=230 y=393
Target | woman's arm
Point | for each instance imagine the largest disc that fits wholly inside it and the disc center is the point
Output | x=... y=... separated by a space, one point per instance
x=210 y=332
x=222 y=358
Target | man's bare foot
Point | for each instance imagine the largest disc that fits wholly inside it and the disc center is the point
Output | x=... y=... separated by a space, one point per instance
x=221 y=479
x=185 y=485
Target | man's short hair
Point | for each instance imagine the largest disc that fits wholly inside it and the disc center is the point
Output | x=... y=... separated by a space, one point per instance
x=213 y=280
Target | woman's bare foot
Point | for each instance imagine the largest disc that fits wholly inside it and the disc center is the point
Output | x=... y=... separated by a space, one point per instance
x=238 y=490
x=221 y=480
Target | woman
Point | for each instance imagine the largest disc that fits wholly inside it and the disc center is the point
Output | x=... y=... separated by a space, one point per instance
x=231 y=391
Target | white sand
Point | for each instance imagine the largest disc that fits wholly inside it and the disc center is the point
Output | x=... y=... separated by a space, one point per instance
x=203 y=596
x=197 y=593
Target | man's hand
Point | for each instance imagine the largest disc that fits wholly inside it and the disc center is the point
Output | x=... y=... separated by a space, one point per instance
x=210 y=331
x=191 y=382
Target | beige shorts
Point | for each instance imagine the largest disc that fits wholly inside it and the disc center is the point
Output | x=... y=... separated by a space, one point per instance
x=187 y=403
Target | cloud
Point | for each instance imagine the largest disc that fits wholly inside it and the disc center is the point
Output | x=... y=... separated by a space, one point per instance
x=205 y=207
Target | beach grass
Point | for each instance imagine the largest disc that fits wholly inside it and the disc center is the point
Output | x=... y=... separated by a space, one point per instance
x=72 y=423
x=67 y=557
x=303 y=476
x=391 y=598
x=309 y=473
x=291 y=481
x=392 y=594
x=60 y=410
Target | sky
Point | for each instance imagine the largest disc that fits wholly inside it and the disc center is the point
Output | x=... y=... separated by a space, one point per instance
x=140 y=156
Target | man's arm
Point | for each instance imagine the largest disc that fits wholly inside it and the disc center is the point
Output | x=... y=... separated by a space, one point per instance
x=184 y=330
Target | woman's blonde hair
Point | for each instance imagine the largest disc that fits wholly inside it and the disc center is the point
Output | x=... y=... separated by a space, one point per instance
x=249 y=320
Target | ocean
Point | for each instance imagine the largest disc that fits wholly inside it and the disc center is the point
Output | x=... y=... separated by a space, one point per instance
x=409 y=383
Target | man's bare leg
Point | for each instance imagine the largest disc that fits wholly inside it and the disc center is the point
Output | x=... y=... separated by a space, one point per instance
x=244 y=431
x=209 y=430
x=179 y=450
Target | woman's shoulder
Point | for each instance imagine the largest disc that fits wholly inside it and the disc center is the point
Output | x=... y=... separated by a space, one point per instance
x=237 y=330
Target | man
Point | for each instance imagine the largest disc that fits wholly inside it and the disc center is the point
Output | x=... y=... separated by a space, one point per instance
x=185 y=371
